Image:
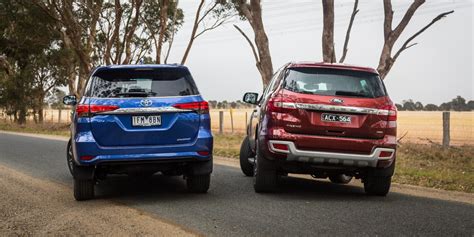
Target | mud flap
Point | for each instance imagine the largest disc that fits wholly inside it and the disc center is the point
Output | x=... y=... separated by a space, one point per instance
x=389 y=171
x=200 y=168
x=84 y=172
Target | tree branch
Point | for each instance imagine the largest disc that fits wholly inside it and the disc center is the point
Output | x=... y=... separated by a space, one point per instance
x=407 y=42
x=405 y=20
x=193 y=33
x=348 y=33
x=254 y=51
x=173 y=32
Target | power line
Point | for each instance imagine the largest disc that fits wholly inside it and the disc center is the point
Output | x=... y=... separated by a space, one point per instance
x=368 y=18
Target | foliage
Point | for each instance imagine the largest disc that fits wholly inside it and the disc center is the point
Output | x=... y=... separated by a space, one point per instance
x=30 y=44
x=456 y=104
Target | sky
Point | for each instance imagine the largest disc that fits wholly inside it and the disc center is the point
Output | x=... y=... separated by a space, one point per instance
x=436 y=70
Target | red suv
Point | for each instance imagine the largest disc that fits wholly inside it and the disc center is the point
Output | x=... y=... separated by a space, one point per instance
x=329 y=120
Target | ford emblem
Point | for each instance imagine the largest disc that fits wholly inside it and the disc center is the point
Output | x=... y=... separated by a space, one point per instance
x=337 y=101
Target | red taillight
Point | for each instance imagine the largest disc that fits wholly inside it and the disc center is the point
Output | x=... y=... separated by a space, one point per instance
x=203 y=153
x=200 y=107
x=82 y=110
x=86 y=157
x=281 y=105
x=385 y=154
x=388 y=112
x=282 y=147
x=87 y=110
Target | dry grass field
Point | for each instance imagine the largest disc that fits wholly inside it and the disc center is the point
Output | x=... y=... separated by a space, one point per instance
x=417 y=126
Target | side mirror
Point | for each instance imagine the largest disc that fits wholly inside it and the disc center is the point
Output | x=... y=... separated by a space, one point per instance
x=69 y=100
x=251 y=98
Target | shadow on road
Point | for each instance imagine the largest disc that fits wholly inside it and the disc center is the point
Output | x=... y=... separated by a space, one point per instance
x=163 y=188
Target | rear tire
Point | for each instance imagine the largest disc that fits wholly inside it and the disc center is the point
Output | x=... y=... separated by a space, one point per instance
x=198 y=183
x=83 y=189
x=265 y=175
x=245 y=153
x=70 y=157
x=377 y=185
x=340 y=179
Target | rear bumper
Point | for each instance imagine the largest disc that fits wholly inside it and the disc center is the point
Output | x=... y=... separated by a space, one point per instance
x=84 y=145
x=332 y=158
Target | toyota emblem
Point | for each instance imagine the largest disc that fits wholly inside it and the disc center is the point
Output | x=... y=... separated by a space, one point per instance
x=146 y=103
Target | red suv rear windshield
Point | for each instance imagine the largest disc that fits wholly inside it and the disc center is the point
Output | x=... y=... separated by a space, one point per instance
x=322 y=81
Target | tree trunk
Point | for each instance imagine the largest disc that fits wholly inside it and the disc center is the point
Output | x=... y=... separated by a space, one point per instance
x=40 y=115
x=261 y=41
x=22 y=115
x=329 y=55
x=253 y=14
x=163 y=28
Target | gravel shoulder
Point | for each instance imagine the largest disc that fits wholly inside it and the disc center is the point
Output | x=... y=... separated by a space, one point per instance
x=33 y=207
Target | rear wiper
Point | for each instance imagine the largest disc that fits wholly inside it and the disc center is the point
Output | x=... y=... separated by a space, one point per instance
x=351 y=93
x=136 y=94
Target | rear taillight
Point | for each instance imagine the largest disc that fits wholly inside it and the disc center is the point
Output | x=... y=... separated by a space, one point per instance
x=89 y=110
x=388 y=112
x=200 y=107
x=86 y=157
x=281 y=105
x=204 y=153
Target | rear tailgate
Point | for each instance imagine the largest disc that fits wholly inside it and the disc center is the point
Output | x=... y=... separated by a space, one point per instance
x=115 y=128
x=315 y=116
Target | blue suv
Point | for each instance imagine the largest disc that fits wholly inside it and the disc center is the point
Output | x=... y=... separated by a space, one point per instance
x=139 y=120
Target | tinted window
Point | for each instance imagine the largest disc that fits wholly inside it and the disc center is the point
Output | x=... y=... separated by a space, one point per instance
x=143 y=82
x=334 y=82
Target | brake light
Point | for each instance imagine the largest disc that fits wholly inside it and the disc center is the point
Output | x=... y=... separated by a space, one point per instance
x=82 y=110
x=281 y=105
x=388 y=112
x=200 y=107
x=88 y=110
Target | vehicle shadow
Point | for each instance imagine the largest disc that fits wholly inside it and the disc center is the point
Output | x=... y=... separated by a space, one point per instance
x=225 y=186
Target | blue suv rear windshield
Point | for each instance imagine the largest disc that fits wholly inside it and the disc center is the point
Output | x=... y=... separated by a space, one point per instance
x=142 y=82
x=334 y=82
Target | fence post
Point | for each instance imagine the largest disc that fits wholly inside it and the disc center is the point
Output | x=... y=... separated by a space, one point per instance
x=446 y=136
x=232 y=119
x=246 y=120
x=59 y=116
x=221 y=122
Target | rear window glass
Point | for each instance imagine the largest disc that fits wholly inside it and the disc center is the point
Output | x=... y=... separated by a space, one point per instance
x=334 y=82
x=142 y=82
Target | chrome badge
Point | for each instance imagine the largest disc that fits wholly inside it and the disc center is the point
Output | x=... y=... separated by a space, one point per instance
x=146 y=103
x=337 y=101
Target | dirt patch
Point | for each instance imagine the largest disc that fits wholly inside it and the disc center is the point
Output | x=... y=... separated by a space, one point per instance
x=32 y=207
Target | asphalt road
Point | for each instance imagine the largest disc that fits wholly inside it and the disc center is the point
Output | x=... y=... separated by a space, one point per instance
x=303 y=207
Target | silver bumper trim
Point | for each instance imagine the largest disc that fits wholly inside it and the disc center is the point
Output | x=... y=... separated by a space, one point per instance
x=145 y=110
x=340 y=108
x=320 y=157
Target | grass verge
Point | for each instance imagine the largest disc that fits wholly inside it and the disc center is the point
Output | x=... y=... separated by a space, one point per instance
x=422 y=165
x=417 y=164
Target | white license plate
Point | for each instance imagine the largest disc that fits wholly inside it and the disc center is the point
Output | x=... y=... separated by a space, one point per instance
x=336 y=118
x=146 y=121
